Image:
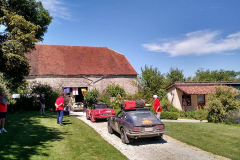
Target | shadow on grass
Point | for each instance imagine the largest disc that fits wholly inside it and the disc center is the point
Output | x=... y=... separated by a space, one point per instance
x=77 y=115
x=26 y=136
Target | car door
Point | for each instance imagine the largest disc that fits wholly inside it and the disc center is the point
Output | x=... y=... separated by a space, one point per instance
x=117 y=121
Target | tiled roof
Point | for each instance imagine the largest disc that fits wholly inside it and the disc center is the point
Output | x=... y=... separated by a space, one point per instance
x=202 y=83
x=197 y=89
x=202 y=87
x=78 y=60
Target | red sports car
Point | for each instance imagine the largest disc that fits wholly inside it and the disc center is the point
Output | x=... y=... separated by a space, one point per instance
x=99 y=111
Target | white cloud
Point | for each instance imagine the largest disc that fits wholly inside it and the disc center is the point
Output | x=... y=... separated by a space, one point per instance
x=197 y=43
x=229 y=54
x=57 y=9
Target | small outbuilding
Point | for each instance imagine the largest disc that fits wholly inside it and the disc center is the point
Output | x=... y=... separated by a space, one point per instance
x=193 y=95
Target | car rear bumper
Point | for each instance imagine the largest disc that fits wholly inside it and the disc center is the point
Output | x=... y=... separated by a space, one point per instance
x=77 y=108
x=146 y=134
x=103 y=117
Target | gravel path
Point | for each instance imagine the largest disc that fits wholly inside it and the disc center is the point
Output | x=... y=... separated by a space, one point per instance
x=148 y=148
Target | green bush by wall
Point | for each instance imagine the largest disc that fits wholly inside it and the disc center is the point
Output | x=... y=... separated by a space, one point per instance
x=169 y=115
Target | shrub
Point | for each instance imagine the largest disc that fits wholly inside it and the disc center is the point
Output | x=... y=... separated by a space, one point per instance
x=221 y=103
x=26 y=103
x=116 y=103
x=199 y=114
x=50 y=94
x=91 y=97
x=169 y=115
x=115 y=90
x=174 y=110
x=232 y=117
x=29 y=98
x=166 y=105
x=182 y=114
x=145 y=93
x=104 y=98
x=4 y=88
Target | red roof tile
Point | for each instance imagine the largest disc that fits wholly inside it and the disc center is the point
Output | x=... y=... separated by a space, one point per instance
x=202 y=83
x=197 y=89
x=78 y=60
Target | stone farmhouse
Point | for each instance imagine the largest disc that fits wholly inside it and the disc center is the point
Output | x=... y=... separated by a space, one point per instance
x=81 y=67
x=193 y=95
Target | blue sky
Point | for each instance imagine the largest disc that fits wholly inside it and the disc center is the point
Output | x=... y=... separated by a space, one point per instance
x=188 y=34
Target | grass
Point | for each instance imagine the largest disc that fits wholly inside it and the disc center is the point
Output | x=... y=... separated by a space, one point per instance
x=219 y=139
x=38 y=137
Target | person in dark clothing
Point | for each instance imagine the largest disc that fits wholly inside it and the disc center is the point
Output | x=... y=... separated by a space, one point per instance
x=42 y=101
x=85 y=103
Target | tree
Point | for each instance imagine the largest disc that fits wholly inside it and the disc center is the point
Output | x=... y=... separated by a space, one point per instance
x=115 y=90
x=150 y=81
x=174 y=75
x=26 y=21
x=215 y=75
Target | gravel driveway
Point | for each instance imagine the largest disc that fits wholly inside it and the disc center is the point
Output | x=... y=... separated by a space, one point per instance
x=148 y=148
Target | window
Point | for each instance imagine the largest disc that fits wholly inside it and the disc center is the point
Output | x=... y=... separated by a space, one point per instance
x=188 y=100
x=201 y=98
x=120 y=114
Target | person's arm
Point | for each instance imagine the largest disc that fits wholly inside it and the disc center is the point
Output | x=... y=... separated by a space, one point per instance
x=5 y=103
x=56 y=105
x=158 y=106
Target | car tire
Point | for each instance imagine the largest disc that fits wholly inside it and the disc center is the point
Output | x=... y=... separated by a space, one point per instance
x=124 y=137
x=110 y=130
x=91 y=118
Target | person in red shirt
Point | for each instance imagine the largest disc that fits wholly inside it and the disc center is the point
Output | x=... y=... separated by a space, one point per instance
x=59 y=108
x=3 y=110
x=157 y=106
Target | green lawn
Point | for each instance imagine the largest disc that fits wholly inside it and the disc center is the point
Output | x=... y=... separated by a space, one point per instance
x=219 y=139
x=34 y=136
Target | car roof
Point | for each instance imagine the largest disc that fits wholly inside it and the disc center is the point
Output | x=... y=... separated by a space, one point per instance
x=138 y=109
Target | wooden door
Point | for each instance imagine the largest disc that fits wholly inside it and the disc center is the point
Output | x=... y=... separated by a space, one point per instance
x=201 y=101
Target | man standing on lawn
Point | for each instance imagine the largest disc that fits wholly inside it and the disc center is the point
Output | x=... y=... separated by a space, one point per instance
x=3 y=110
x=157 y=106
x=42 y=102
x=59 y=108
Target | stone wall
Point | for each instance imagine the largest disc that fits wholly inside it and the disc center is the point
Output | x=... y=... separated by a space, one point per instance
x=98 y=82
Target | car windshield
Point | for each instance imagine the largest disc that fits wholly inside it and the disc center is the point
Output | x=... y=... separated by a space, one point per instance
x=143 y=117
x=99 y=106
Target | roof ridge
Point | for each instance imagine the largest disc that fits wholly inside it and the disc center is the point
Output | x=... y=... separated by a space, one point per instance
x=70 y=45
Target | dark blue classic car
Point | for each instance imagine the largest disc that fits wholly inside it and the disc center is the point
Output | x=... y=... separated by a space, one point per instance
x=136 y=123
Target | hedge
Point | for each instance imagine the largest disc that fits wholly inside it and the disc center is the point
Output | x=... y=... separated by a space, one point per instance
x=169 y=115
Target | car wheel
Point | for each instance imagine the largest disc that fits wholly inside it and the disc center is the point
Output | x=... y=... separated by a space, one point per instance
x=124 y=137
x=91 y=118
x=110 y=130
